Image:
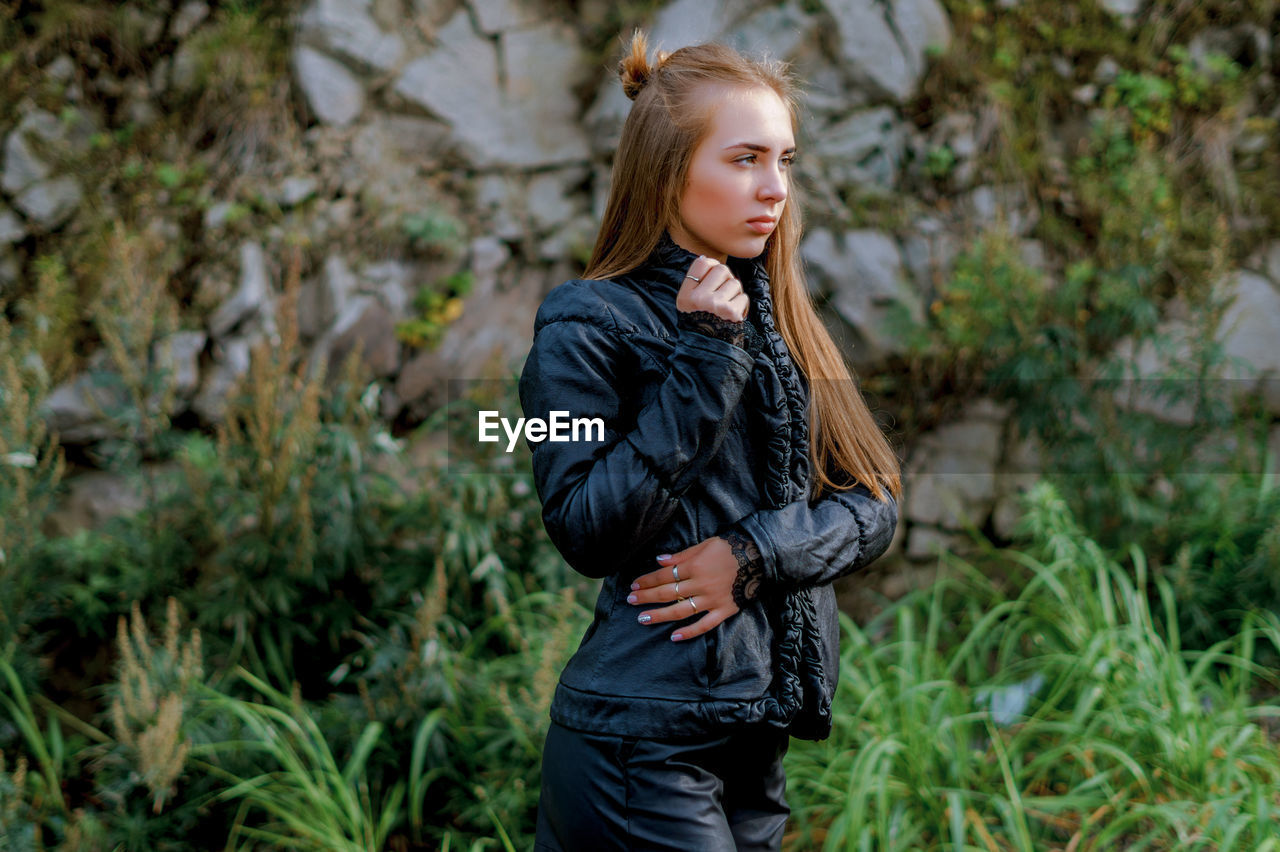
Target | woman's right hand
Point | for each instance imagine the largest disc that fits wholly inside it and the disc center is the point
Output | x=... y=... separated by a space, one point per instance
x=718 y=292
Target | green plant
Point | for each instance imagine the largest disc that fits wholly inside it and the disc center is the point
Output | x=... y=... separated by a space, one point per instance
x=438 y=306
x=154 y=690
x=309 y=800
x=939 y=162
x=1065 y=713
x=433 y=231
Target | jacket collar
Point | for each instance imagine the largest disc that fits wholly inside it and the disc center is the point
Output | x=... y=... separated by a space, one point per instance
x=669 y=261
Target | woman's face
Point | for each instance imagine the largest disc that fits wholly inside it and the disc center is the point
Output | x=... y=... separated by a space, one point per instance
x=739 y=173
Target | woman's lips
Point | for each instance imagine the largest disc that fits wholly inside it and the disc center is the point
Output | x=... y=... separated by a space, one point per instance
x=761 y=226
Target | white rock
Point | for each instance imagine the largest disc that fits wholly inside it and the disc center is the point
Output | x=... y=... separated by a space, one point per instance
x=62 y=69
x=297 y=189
x=22 y=166
x=393 y=283
x=496 y=16
x=775 y=31
x=864 y=149
x=180 y=354
x=231 y=358
x=50 y=203
x=1150 y=383
x=862 y=271
x=951 y=476
x=332 y=91
x=187 y=18
x=924 y=28
x=552 y=199
x=11 y=228
x=526 y=120
x=1251 y=324
x=1121 y=7
x=888 y=57
x=249 y=297
x=347 y=28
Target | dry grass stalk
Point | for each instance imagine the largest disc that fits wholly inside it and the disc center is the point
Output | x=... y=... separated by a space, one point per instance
x=153 y=687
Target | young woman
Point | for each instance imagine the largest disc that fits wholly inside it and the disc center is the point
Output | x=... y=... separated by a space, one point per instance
x=739 y=475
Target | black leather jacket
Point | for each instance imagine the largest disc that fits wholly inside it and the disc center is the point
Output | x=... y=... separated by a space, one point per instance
x=703 y=434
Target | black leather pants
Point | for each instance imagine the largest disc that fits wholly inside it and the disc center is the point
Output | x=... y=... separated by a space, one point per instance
x=718 y=794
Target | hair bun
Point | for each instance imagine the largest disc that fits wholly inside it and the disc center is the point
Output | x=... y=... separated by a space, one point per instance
x=635 y=69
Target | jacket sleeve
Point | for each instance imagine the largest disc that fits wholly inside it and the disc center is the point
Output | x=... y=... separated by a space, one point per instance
x=605 y=498
x=803 y=545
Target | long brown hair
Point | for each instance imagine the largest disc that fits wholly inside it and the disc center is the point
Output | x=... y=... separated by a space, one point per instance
x=670 y=116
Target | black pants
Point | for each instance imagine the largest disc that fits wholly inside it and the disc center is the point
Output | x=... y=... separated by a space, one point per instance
x=718 y=794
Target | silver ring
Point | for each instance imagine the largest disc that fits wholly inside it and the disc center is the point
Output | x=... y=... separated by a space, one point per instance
x=675 y=572
x=692 y=604
x=677 y=588
x=695 y=278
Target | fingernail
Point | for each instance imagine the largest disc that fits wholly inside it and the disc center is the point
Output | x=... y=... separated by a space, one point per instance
x=635 y=585
x=631 y=598
x=644 y=619
x=664 y=557
x=676 y=637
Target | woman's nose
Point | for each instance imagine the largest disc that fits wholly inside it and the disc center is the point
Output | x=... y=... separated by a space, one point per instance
x=773 y=185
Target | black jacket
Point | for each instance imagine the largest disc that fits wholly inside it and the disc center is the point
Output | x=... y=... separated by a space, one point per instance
x=702 y=435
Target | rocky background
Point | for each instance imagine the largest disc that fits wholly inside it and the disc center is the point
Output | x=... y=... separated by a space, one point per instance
x=417 y=174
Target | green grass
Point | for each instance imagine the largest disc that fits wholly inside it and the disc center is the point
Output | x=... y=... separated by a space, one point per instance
x=1124 y=740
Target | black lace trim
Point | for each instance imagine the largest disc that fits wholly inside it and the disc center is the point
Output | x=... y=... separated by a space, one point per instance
x=742 y=333
x=746 y=586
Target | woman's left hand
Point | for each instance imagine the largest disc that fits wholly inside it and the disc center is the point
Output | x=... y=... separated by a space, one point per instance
x=705 y=575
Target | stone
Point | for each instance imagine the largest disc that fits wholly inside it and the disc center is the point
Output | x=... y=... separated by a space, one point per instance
x=187 y=18
x=686 y=22
x=1270 y=265
x=987 y=206
x=295 y=190
x=501 y=197
x=22 y=166
x=1150 y=382
x=497 y=16
x=551 y=198
x=231 y=359
x=951 y=475
x=250 y=296
x=11 y=228
x=392 y=282
x=347 y=28
x=862 y=150
x=50 y=203
x=182 y=359
x=81 y=410
x=1250 y=330
x=923 y=28
x=61 y=69
x=929 y=252
x=373 y=332
x=775 y=31
x=1121 y=8
x=487 y=341
x=332 y=91
x=885 y=49
x=526 y=119
x=863 y=273
x=92 y=498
